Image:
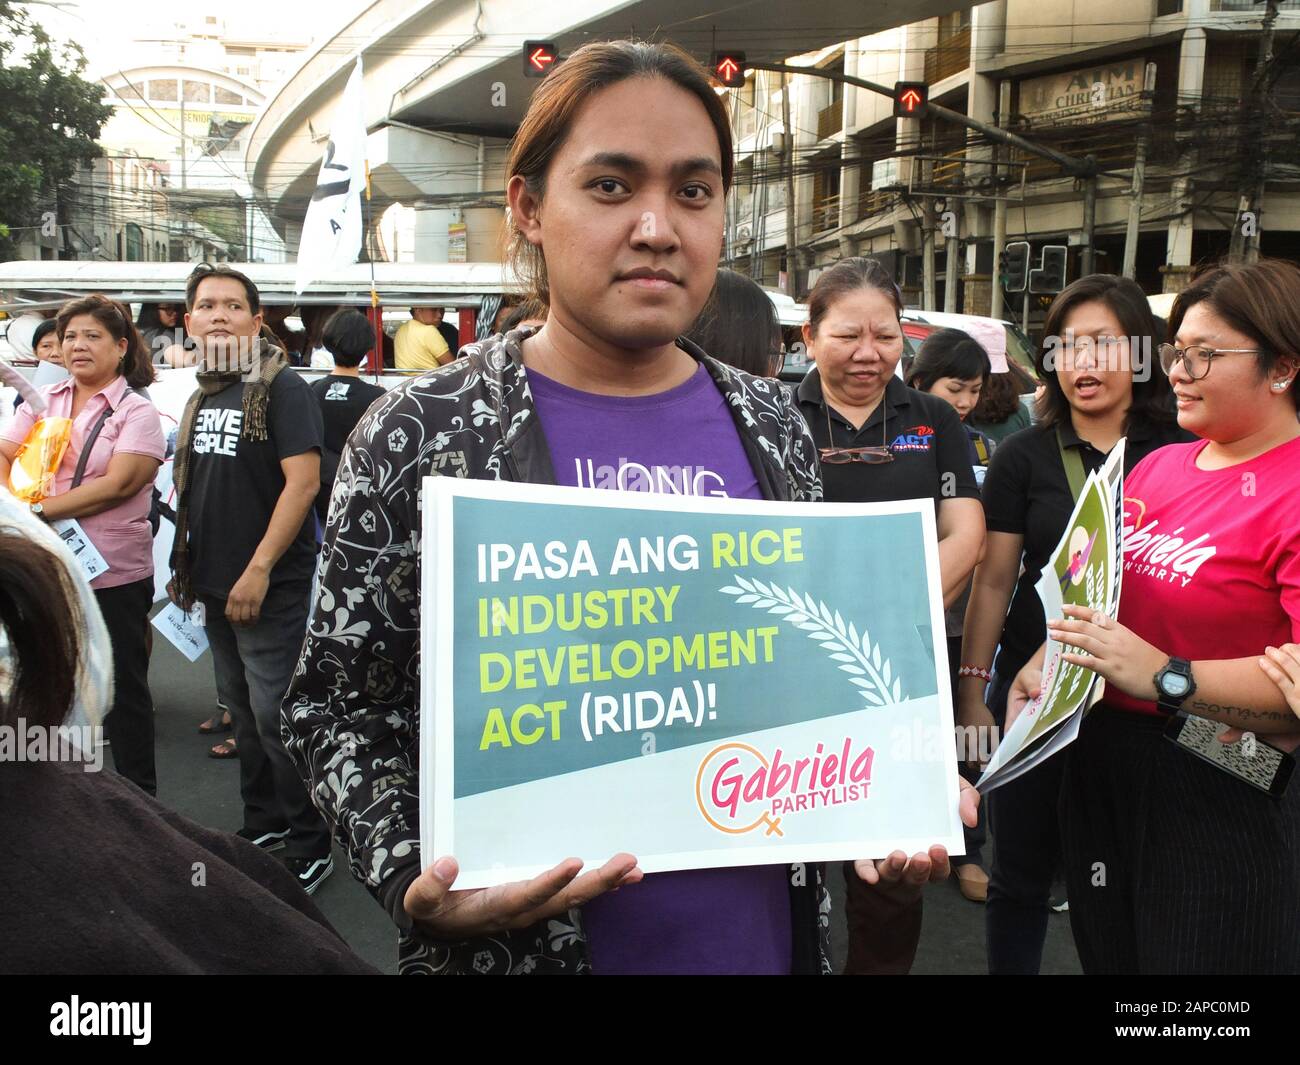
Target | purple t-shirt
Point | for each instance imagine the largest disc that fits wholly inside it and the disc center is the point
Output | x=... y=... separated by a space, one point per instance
x=682 y=442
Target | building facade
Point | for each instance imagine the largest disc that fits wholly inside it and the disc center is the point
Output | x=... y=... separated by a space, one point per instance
x=1174 y=77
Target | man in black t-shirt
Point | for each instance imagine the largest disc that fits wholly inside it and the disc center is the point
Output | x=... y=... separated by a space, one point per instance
x=253 y=473
x=343 y=396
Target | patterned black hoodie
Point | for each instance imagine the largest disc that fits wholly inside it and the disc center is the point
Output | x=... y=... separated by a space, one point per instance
x=351 y=715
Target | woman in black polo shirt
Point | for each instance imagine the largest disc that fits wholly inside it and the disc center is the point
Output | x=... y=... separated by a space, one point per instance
x=1097 y=363
x=881 y=441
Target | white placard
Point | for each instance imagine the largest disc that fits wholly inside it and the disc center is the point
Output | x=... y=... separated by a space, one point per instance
x=185 y=631
x=91 y=561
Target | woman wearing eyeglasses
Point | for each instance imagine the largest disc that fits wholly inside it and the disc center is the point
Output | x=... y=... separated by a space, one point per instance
x=1173 y=863
x=1100 y=385
x=880 y=441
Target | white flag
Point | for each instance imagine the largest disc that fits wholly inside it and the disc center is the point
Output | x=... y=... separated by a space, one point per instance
x=331 y=232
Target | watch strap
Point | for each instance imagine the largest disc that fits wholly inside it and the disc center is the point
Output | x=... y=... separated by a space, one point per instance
x=1172 y=704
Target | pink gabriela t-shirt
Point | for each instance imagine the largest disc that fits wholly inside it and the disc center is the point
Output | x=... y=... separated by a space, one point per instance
x=1211 y=557
x=122 y=535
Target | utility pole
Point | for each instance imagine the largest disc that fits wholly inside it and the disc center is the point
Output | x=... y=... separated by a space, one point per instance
x=1089 y=224
x=1139 y=176
x=182 y=136
x=791 y=256
x=999 y=206
x=1263 y=63
x=951 y=250
x=927 y=243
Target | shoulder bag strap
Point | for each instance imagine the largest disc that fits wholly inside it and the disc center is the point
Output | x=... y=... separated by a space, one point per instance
x=1073 y=466
x=89 y=445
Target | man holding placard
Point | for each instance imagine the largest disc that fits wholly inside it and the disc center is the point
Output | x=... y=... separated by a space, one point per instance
x=603 y=395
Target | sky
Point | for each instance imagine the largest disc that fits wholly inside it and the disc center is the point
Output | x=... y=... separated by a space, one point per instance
x=105 y=30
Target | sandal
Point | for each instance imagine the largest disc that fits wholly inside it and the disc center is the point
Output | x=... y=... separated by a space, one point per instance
x=224 y=749
x=217 y=723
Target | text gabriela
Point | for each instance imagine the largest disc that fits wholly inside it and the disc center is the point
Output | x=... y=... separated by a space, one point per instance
x=785 y=785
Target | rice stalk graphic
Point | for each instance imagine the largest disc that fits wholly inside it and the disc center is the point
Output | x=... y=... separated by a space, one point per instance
x=857 y=656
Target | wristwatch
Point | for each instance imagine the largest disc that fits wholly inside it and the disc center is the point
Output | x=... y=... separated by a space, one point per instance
x=38 y=511
x=1174 y=684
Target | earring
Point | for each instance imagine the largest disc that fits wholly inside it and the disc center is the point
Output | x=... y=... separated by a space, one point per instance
x=1279 y=385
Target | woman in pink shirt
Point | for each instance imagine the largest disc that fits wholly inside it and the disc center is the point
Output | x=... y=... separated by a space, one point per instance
x=104 y=485
x=1178 y=859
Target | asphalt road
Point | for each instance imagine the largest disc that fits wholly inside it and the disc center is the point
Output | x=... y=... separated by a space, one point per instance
x=207 y=790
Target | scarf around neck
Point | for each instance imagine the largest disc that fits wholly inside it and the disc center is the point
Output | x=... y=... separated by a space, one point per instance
x=258 y=366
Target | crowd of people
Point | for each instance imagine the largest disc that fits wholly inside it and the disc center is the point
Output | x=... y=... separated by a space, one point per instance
x=297 y=539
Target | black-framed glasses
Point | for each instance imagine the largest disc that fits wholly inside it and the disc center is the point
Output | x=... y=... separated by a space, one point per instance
x=870 y=456
x=1197 y=359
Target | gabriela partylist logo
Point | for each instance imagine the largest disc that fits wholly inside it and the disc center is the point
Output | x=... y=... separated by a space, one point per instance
x=739 y=788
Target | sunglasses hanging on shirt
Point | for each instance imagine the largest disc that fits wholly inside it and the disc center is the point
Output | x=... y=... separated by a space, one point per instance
x=871 y=456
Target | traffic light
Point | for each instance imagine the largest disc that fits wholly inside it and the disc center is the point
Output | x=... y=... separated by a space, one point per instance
x=1050 y=277
x=729 y=68
x=539 y=58
x=1013 y=266
x=910 y=98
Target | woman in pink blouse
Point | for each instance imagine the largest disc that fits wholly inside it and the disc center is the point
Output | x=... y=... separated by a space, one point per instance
x=105 y=485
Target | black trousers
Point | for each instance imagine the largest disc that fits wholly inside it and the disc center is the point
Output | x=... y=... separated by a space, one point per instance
x=883 y=933
x=129 y=724
x=253 y=665
x=1172 y=865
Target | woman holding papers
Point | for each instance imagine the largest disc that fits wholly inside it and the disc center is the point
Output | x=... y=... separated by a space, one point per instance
x=1097 y=391
x=104 y=488
x=1184 y=857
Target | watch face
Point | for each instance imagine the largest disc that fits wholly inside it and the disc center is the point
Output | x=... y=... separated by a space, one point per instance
x=1174 y=684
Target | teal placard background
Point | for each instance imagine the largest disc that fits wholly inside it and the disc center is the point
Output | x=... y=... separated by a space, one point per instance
x=869 y=569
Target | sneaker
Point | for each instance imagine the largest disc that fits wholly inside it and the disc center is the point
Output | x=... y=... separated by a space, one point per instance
x=310 y=871
x=1061 y=907
x=268 y=841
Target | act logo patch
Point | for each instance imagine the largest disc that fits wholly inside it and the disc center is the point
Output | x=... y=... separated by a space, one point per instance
x=917 y=438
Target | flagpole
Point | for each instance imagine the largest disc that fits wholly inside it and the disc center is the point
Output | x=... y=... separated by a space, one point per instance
x=375 y=318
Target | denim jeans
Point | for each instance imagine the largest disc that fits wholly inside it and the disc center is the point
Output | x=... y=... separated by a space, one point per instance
x=253 y=666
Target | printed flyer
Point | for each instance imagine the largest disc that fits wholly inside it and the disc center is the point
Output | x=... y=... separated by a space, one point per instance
x=1084 y=570
x=699 y=682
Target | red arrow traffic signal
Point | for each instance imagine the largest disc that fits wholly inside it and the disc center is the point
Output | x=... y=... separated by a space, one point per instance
x=539 y=56
x=729 y=68
x=910 y=98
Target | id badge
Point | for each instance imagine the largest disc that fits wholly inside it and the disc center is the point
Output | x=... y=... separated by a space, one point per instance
x=1251 y=760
